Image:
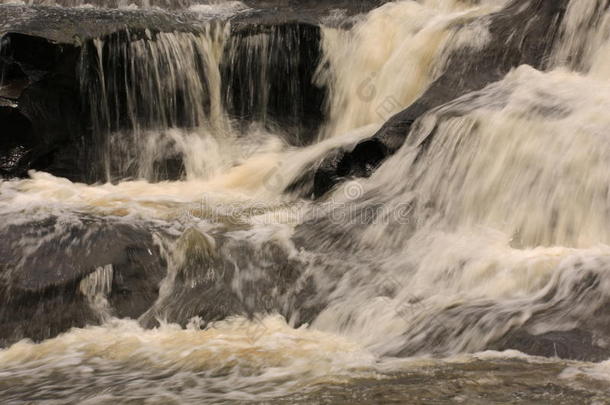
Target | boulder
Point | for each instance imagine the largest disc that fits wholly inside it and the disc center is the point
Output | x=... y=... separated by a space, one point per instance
x=575 y=344
x=212 y=277
x=42 y=273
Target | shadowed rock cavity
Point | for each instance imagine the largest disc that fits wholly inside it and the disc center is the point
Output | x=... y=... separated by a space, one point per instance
x=39 y=106
x=14 y=150
x=524 y=32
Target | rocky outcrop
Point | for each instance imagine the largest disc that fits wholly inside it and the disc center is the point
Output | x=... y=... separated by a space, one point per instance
x=50 y=283
x=574 y=344
x=40 y=52
x=42 y=274
x=524 y=32
x=319 y=7
x=66 y=75
x=49 y=268
x=39 y=109
x=213 y=277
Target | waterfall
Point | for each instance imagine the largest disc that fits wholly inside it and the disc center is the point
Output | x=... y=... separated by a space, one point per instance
x=196 y=263
x=386 y=61
x=203 y=90
x=135 y=121
x=96 y=287
x=503 y=197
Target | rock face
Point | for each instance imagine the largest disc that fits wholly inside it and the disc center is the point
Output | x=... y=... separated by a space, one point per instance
x=311 y=6
x=204 y=270
x=58 y=107
x=268 y=75
x=42 y=274
x=524 y=32
x=39 y=77
x=585 y=338
x=113 y=268
x=40 y=50
x=575 y=344
x=72 y=273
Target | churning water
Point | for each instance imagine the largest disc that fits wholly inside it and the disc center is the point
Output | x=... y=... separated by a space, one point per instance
x=493 y=217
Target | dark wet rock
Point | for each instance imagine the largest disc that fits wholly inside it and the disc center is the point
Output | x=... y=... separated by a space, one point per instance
x=361 y=162
x=40 y=70
x=169 y=4
x=574 y=344
x=136 y=280
x=14 y=150
x=315 y=181
x=577 y=307
x=524 y=32
x=213 y=278
x=316 y=7
x=40 y=114
x=14 y=82
x=72 y=26
x=338 y=166
x=42 y=265
x=268 y=76
x=461 y=326
x=42 y=314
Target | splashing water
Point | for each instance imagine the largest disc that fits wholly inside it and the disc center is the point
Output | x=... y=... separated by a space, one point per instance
x=489 y=224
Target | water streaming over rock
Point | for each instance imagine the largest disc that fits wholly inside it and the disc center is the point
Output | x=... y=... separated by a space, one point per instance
x=187 y=273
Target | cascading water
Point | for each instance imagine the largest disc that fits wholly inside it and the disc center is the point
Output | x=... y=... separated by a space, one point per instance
x=135 y=121
x=385 y=62
x=185 y=272
x=205 y=90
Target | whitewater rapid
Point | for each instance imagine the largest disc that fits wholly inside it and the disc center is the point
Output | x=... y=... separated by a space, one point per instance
x=492 y=216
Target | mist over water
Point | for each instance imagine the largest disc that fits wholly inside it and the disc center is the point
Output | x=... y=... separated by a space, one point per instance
x=490 y=223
